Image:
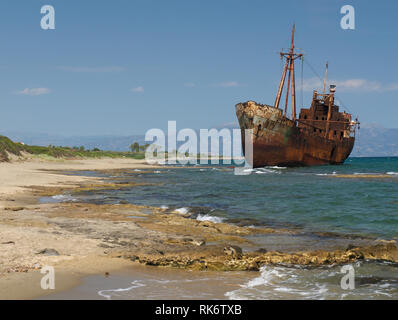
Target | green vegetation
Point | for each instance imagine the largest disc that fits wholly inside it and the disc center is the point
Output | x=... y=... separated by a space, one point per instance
x=9 y=147
x=136 y=148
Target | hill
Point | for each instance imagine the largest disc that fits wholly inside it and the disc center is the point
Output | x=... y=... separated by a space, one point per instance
x=8 y=147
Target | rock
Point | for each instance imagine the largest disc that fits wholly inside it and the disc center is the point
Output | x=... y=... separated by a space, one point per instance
x=206 y=224
x=233 y=251
x=262 y=250
x=49 y=252
x=195 y=242
x=253 y=266
x=103 y=245
x=36 y=266
x=198 y=242
x=14 y=208
x=350 y=247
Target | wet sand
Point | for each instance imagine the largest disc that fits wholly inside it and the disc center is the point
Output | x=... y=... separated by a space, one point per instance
x=68 y=274
x=153 y=283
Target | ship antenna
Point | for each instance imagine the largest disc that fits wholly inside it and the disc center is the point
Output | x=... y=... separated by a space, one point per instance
x=326 y=74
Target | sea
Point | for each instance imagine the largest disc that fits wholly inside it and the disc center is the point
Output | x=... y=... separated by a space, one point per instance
x=328 y=207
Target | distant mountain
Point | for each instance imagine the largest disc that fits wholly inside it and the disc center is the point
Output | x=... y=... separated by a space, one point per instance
x=372 y=140
x=375 y=141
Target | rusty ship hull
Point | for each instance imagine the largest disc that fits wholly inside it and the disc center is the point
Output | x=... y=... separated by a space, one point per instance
x=279 y=141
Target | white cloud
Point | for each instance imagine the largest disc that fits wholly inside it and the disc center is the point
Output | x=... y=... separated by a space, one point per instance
x=228 y=84
x=189 y=85
x=91 y=69
x=349 y=85
x=137 y=89
x=33 y=91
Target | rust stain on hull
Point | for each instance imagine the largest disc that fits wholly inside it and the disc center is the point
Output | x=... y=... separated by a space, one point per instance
x=278 y=140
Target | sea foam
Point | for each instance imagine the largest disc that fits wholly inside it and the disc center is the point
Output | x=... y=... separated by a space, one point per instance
x=182 y=210
x=63 y=198
x=135 y=284
x=206 y=217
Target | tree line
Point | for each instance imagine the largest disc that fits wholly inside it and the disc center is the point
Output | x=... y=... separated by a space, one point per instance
x=135 y=147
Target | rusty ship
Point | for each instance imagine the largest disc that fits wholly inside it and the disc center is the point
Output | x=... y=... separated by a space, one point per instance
x=320 y=135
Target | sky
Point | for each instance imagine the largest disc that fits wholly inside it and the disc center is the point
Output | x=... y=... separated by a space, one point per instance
x=122 y=67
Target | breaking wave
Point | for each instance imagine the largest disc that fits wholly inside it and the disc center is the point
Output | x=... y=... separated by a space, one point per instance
x=207 y=217
x=114 y=292
x=63 y=198
x=280 y=282
x=183 y=210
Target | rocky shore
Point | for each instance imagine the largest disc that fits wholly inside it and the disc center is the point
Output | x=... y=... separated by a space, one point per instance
x=34 y=234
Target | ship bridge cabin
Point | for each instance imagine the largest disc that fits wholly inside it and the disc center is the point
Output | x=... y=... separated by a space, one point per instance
x=323 y=118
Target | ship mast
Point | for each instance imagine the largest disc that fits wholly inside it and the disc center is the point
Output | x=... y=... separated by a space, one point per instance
x=326 y=75
x=289 y=64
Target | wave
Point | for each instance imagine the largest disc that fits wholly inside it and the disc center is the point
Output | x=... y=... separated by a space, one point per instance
x=182 y=210
x=326 y=174
x=63 y=198
x=279 y=283
x=135 y=284
x=392 y=173
x=207 y=217
x=293 y=282
x=265 y=171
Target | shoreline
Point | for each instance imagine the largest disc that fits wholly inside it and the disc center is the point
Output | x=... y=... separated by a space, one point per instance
x=21 y=280
x=91 y=239
x=68 y=275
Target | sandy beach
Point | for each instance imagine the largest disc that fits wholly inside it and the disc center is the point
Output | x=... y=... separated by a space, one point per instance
x=21 y=237
x=78 y=240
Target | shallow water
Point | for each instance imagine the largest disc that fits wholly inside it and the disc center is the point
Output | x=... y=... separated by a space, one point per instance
x=373 y=280
x=144 y=282
x=310 y=198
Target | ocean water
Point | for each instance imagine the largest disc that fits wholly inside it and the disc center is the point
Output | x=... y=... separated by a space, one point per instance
x=308 y=198
x=329 y=207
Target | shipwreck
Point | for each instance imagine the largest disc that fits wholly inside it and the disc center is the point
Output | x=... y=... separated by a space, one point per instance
x=320 y=135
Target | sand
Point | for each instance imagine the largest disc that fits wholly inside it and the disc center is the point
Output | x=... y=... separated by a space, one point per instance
x=17 y=175
x=24 y=232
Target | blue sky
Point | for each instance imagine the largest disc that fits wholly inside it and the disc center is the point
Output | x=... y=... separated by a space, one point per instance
x=122 y=67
